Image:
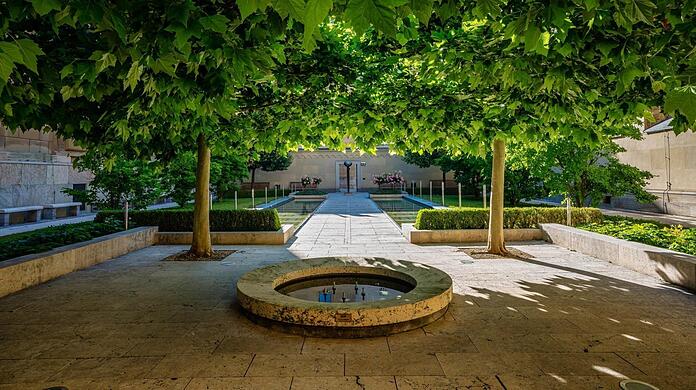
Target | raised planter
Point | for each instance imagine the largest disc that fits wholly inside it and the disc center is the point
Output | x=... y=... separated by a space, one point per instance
x=26 y=271
x=670 y=266
x=278 y=237
x=416 y=236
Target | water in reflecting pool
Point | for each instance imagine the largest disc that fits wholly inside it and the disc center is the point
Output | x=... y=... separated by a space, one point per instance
x=348 y=288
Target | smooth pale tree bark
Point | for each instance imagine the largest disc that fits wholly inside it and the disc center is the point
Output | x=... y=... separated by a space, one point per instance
x=201 y=245
x=496 y=238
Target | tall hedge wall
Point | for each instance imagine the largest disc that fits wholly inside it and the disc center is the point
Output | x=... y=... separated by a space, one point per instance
x=514 y=217
x=182 y=220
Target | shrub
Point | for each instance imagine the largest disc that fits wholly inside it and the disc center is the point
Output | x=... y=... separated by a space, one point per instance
x=672 y=237
x=514 y=217
x=42 y=240
x=182 y=220
x=310 y=192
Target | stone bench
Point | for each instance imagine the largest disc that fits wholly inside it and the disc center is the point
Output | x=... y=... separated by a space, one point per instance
x=28 y=214
x=61 y=210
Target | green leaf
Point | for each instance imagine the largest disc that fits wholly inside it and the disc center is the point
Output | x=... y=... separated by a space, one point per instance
x=379 y=13
x=217 y=23
x=6 y=67
x=105 y=61
x=639 y=10
x=422 y=9
x=12 y=51
x=315 y=13
x=66 y=71
x=133 y=76
x=247 y=7
x=682 y=100
x=42 y=7
x=29 y=51
x=531 y=38
x=294 y=8
x=487 y=7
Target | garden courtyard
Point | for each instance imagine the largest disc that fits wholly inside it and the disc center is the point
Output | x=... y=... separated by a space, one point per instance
x=559 y=319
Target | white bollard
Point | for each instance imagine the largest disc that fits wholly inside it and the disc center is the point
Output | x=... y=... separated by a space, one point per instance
x=569 y=220
x=431 y=191
x=253 y=201
x=265 y=193
x=459 y=192
x=235 y=200
x=443 y=193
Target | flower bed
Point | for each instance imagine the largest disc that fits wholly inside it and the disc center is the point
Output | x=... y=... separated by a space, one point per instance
x=674 y=237
x=42 y=240
x=514 y=217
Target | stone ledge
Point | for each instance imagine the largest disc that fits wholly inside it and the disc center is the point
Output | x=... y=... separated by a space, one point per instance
x=26 y=271
x=387 y=196
x=278 y=237
x=416 y=236
x=670 y=266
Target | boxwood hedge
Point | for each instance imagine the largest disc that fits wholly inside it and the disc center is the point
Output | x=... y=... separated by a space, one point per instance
x=514 y=217
x=182 y=220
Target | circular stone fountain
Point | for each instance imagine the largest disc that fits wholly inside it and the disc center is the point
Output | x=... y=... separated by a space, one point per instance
x=345 y=296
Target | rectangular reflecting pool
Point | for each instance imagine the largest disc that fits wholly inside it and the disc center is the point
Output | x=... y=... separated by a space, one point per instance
x=296 y=211
x=400 y=210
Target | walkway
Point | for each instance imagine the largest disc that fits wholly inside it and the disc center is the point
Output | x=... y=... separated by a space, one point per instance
x=560 y=320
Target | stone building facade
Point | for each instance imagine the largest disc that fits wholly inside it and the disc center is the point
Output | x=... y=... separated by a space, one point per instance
x=35 y=166
x=328 y=166
x=671 y=158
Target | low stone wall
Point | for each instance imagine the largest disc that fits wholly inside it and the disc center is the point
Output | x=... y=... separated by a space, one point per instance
x=670 y=266
x=387 y=196
x=416 y=236
x=26 y=271
x=308 y=197
x=279 y=237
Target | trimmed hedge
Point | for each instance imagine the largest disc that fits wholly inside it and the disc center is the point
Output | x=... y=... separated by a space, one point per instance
x=513 y=218
x=182 y=220
x=310 y=192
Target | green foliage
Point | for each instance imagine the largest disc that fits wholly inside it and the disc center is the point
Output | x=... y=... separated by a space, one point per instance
x=179 y=178
x=310 y=192
x=42 y=240
x=182 y=220
x=514 y=217
x=674 y=237
x=585 y=172
x=119 y=181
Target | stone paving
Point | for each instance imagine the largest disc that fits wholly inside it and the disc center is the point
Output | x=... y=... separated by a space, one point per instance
x=559 y=320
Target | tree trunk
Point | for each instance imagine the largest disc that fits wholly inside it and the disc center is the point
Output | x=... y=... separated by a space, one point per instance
x=496 y=239
x=202 y=245
x=444 y=176
x=253 y=177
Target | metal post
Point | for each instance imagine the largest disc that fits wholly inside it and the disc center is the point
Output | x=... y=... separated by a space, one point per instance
x=569 y=220
x=125 y=217
x=253 y=202
x=431 y=190
x=420 y=184
x=348 y=177
x=235 y=200
x=443 y=193
x=459 y=192
x=275 y=192
x=265 y=193
x=210 y=205
x=484 y=196
x=283 y=191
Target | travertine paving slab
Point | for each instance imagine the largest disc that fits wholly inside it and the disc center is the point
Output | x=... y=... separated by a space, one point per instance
x=344 y=383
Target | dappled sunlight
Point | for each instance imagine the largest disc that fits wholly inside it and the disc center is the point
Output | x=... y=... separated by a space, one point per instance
x=609 y=371
x=628 y=336
x=558 y=378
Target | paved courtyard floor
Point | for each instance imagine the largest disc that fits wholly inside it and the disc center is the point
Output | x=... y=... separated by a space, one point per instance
x=559 y=320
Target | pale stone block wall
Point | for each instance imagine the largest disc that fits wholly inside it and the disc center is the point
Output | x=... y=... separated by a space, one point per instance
x=34 y=168
x=670 y=158
x=322 y=164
